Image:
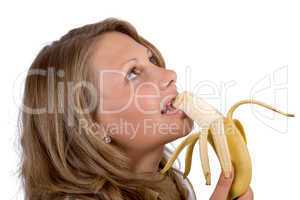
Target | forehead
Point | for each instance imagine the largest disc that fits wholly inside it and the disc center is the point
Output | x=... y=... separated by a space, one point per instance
x=113 y=48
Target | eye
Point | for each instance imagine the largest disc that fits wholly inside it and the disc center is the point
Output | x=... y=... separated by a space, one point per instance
x=132 y=74
x=153 y=59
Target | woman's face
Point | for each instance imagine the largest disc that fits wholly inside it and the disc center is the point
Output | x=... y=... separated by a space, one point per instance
x=132 y=90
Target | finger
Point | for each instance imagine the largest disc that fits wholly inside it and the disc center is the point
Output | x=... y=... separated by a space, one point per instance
x=247 y=196
x=223 y=187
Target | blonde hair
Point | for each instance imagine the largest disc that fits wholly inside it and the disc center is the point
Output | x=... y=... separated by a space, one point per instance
x=60 y=160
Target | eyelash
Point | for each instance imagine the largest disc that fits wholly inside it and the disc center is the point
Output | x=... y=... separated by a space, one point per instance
x=135 y=67
x=154 y=62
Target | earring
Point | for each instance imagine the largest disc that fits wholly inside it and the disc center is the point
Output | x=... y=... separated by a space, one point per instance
x=107 y=139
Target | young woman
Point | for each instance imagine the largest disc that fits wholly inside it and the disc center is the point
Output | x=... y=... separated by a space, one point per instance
x=96 y=119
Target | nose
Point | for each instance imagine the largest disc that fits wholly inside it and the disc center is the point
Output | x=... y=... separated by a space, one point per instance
x=168 y=79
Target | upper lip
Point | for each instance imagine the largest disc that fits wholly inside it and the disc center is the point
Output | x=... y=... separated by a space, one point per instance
x=166 y=100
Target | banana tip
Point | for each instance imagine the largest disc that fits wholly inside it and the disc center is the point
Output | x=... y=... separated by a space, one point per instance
x=178 y=100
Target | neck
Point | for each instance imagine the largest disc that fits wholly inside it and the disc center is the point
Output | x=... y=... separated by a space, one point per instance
x=147 y=162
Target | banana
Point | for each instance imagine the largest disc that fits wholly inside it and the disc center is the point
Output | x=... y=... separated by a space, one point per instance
x=217 y=132
x=225 y=134
x=237 y=143
x=177 y=151
x=240 y=158
x=207 y=117
x=204 y=156
x=188 y=157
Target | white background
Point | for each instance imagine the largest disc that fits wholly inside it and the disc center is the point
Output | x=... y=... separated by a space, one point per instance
x=252 y=45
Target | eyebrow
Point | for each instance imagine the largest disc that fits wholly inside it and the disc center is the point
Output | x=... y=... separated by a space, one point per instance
x=148 y=52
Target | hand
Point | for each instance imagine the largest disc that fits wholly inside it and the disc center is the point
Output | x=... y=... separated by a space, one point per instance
x=223 y=186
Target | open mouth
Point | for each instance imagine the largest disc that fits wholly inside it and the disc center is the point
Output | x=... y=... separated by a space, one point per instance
x=167 y=107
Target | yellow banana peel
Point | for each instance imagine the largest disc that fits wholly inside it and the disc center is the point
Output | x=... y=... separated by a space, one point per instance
x=226 y=136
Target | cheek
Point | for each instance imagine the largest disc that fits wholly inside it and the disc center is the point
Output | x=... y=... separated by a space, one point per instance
x=156 y=131
x=135 y=130
x=146 y=106
x=113 y=96
x=136 y=121
x=143 y=98
x=116 y=102
x=147 y=99
x=149 y=130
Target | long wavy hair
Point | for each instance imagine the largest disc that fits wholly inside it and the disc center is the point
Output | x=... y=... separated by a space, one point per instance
x=59 y=158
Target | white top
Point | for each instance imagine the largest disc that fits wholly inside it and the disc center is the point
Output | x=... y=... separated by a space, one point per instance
x=187 y=183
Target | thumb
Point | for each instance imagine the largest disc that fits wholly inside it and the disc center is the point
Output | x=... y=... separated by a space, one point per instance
x=223 y=187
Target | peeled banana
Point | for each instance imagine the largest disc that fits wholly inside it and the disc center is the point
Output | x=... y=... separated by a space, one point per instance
x=225 y=134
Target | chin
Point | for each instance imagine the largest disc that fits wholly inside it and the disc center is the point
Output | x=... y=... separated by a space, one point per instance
x=187 y=127
x=183 y=130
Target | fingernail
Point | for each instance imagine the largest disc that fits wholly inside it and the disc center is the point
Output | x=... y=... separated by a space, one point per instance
x=230 y=175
